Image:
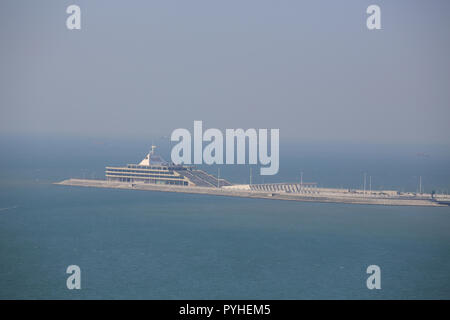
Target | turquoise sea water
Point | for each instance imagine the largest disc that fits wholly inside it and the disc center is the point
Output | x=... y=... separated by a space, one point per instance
x=148 y=245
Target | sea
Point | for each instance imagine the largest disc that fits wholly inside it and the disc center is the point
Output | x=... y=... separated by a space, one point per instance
x=132 y=244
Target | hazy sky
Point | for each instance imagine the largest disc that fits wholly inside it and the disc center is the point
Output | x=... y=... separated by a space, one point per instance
x=310 y=68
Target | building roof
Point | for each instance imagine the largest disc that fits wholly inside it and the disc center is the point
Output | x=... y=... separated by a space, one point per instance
x=153 y=159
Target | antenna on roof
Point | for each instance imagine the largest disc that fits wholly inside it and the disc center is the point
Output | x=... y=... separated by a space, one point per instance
x=420 y=184
x=365 y=174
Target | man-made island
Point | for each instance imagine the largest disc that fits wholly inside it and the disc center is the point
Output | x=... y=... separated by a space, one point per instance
x=155 y=174
x=320 y=195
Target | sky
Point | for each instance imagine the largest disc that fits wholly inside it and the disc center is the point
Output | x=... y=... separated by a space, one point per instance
x=309 y=68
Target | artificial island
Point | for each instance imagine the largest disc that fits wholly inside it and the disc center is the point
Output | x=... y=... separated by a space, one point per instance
x=153 y=173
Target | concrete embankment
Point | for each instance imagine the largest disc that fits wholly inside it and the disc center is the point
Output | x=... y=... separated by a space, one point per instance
x=329 y=197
